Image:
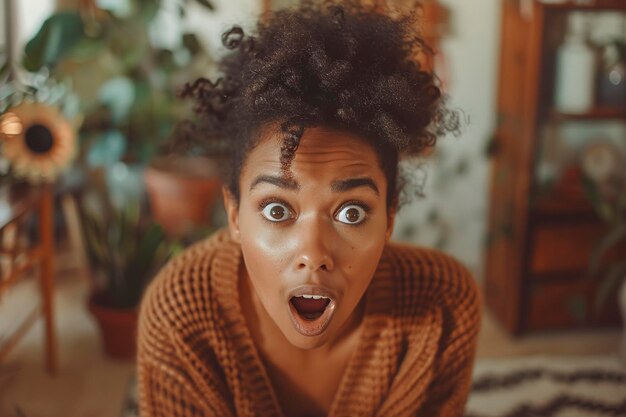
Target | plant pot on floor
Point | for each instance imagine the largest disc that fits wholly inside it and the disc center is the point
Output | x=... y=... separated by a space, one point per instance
x=182 y=192
x=118 y=327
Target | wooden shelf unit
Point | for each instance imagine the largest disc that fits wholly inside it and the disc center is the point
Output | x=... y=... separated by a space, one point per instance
x=538 y=247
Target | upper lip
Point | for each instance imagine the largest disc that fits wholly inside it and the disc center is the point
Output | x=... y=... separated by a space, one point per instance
x=312 y=290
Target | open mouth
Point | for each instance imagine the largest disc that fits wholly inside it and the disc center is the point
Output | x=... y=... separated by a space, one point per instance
x=311 y=314
x=310 y=307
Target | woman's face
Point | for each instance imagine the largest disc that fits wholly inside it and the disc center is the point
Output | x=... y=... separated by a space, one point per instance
x=312 y=241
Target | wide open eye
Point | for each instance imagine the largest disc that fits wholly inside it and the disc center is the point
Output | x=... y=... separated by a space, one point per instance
x=276 y=212
x=351 y=214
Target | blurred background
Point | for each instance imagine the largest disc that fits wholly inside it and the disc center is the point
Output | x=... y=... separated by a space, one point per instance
x=531 y=196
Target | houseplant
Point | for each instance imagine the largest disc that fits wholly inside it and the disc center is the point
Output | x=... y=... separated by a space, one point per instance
x=604 y=181
x=126 y=90
x=128 y=96
x=125 y=248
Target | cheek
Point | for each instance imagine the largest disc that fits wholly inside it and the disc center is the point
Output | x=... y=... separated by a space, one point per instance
x=360 y=263
x=265 y=262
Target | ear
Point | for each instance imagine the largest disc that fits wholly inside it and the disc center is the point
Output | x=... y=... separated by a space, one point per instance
x=232 y=213
x=391 y=217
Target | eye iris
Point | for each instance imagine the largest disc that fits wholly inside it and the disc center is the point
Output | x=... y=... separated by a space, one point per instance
x=352 y=215
x=277 y=212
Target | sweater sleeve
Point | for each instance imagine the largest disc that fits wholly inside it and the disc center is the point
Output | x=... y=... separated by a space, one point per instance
x=448 y=392
x=174 y=380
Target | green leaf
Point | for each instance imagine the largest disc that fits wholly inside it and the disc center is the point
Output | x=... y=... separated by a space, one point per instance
x=56 y=37
x=609 y=240
x=118 y=95
x=576 y=305
x=462 y=167
x=206 y=4
x=491 y=146
x=191 y=42
x=93 y=229
x=107 y=149
x=3 y=69
x=149 y=9
x=610 y=283
x=433 y=216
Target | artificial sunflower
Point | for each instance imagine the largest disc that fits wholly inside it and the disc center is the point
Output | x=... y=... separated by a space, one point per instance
x=37 y=140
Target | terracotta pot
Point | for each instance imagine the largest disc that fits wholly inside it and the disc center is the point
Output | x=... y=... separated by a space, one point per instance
x=118 y=327
x=182 y=192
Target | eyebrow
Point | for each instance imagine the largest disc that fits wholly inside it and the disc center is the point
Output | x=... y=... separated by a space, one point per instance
x=336 y=186
x=339 y=186
x=277 y=181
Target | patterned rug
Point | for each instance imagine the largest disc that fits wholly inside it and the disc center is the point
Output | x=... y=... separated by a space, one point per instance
x=537 y=386
x=544 y=386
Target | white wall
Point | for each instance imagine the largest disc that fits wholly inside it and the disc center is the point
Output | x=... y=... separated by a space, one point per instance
x=210 y=25
x=30 y=16
x=471 y=51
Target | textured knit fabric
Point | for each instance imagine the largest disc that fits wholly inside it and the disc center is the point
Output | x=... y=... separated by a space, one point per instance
x=196 y=356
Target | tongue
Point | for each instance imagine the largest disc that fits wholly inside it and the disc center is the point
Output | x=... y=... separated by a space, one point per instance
x=309 y=305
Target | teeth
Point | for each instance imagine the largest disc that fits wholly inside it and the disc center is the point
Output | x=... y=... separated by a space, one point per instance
x=315 y=297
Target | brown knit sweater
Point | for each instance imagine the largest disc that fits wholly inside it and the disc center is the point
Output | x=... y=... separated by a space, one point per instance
x=196 y=356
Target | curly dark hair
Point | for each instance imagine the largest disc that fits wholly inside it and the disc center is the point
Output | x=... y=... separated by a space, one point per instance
x=341 y=65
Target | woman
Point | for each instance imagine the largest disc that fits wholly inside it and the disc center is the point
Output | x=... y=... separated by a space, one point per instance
x=302 y=307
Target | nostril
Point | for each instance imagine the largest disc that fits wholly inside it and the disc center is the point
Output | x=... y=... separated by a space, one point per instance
x=305 y=265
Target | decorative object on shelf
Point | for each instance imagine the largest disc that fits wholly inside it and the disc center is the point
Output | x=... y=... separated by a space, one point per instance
x=37 y=141
x=600 y=160
x=612 y=83
x=567 y=186
x=575 y=68
x=125 y=248
x=609 y=36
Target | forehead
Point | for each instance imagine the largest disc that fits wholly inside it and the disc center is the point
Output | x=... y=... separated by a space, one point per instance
x=322 y=152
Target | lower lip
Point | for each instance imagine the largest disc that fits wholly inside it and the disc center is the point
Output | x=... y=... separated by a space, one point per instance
x=311 y=327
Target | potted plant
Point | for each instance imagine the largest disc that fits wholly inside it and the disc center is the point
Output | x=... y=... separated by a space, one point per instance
x=184 y=182
x=125 y=248
x=604 y=181
x=126 y=90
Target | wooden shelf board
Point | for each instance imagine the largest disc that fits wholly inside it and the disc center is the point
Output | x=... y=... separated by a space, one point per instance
x=557 y=208
x=596 y=5
x=597 y=113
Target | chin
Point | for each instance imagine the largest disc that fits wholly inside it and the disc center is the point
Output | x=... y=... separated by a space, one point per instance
x=306 y=342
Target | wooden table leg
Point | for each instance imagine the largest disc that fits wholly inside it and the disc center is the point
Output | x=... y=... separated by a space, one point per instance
x=46 y=275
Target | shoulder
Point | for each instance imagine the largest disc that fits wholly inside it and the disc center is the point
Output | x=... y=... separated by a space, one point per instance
x=427 y=278
x=180 y=295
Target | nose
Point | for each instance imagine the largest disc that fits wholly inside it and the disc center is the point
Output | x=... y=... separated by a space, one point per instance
x=315 y=253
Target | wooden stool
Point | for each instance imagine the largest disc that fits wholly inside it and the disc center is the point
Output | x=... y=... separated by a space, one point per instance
x=17 y=204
